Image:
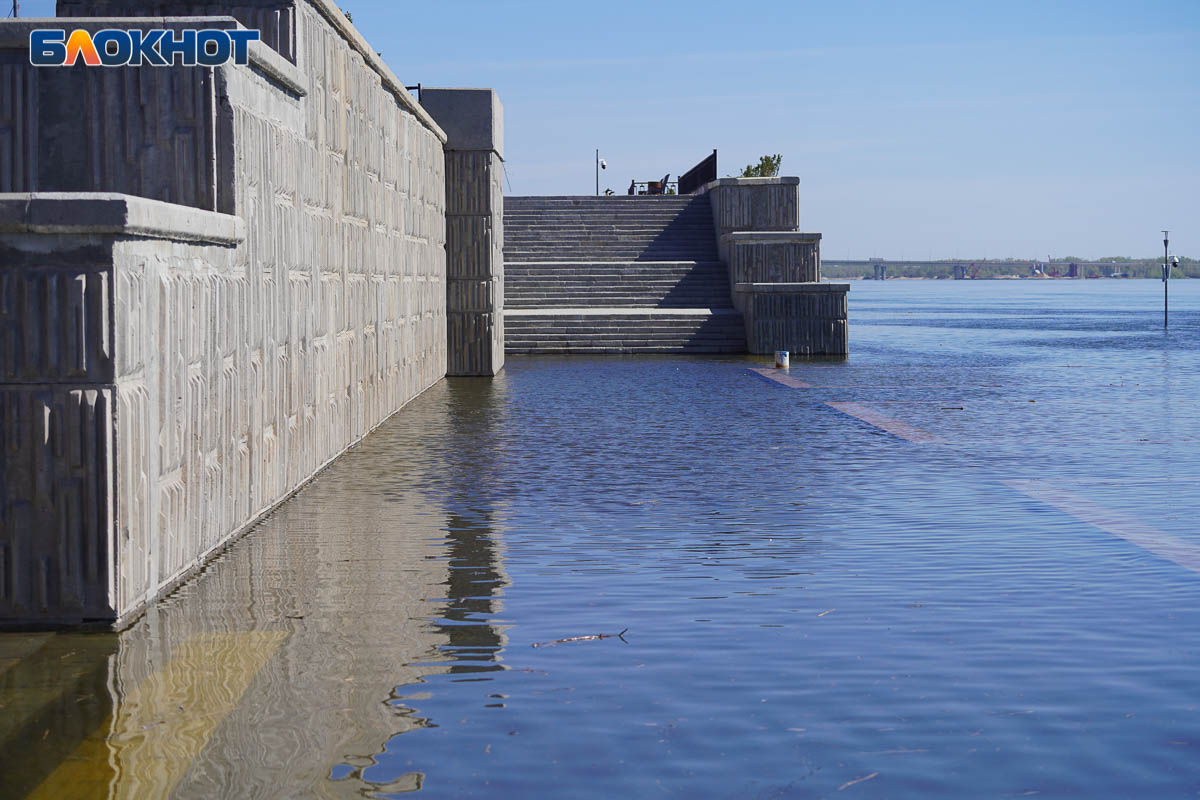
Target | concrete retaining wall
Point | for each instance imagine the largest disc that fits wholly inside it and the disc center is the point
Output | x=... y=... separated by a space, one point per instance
x=774 y=257
x=181 y=370
x=804 y=318
x=775 y=269
x=753 y=204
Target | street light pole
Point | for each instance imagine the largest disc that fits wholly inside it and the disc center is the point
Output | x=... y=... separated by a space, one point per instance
x=597 y=172
x=1166 y=272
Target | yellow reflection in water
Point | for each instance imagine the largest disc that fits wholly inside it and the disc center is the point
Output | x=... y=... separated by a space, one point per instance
x=145 y=749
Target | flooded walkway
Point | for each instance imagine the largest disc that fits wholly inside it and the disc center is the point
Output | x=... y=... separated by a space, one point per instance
x=964 y=563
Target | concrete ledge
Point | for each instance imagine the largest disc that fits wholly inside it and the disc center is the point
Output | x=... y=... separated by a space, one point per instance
x=790 y=288
x=82 y=213
x=782 y=180
x=738 y=237
x=278 y=68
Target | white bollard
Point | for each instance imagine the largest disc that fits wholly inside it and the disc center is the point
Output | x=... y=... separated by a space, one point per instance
x=782 y=359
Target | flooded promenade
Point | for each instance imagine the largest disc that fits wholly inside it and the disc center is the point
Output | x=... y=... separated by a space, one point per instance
x=962 y=563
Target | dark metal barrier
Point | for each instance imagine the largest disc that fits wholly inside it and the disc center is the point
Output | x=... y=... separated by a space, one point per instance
x=691 y=181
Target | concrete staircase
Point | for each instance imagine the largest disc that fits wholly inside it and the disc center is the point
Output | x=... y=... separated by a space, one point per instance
x=615 y=275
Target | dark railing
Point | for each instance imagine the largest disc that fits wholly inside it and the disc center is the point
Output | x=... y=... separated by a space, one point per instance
x=691 y=181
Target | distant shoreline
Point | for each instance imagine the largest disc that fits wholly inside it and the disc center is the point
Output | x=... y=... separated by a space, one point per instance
x=1003 y=269
x=1004 y=278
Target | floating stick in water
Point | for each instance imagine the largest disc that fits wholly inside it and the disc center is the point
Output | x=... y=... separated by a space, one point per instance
x=589 y=638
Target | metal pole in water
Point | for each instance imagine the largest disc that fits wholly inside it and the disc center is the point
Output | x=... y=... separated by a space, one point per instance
x=1166 y=273
x=597 y=171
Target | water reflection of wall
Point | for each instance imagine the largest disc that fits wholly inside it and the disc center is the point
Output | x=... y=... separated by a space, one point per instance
x=49 y=684
x=279 y=664
x=470 y=488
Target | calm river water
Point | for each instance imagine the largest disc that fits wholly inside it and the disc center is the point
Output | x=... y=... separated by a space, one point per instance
x=965 y=562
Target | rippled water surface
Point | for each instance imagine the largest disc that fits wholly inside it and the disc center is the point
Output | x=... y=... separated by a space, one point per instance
x=963 y=563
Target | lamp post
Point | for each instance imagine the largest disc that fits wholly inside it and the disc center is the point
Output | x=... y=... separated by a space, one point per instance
x=1166 y=273
x=600 y=164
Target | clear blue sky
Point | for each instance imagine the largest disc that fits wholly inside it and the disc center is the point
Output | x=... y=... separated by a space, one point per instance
x=928 y=129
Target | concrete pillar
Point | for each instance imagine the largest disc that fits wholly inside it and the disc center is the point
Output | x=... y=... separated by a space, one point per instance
x=473 y=120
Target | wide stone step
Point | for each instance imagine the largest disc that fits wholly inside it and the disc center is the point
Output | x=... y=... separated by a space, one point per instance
x=592 y=231
x=630 y=270
x=518 y=285
x=606 y=254
x=617 y=330
x=648 y=256
x=515 y=244
x=602 y=213
x=632 y=215
x=610 y=201
x=605 y=251
x=552 y=293
x=685 y=246
x=649 y=274
x=515 y=288
x=659 y=243
x=593 y=220
x=516 y=241
x=534 y=331
x=603 y=302
x=600 y=278
x=614 y=263
x=525 y=283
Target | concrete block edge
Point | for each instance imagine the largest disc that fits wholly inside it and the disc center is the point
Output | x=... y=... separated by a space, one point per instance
x=85 y=213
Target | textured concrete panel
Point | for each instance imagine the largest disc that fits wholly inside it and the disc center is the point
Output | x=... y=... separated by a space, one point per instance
x=18 y=136
x=475 y=295
x=774 y=258
x=753 y=204
x=476 y=342
x=56 y=512
x=473 y=181
x=204 y=366
x=805 y=319
x=85 y=130
x=55 y=312
x=471 y=246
